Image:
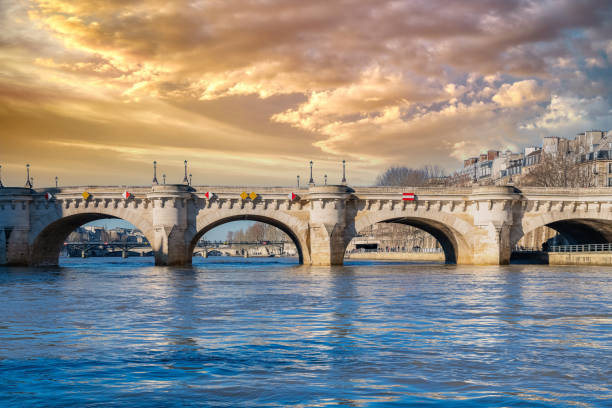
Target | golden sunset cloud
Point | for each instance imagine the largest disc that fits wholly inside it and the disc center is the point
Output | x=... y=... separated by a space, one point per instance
x=250 y=90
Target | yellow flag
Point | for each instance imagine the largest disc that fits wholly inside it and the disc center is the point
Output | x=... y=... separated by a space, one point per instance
x=86 y=195
x=253 y=196
x=244 y=195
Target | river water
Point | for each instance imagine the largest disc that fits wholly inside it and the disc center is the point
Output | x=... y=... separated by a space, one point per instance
x=233 y=332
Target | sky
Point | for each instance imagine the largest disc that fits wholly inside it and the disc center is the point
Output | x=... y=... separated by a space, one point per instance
x=249 y=91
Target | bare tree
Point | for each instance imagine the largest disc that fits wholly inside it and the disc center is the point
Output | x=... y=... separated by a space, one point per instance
x=258 y=231
x=239 y=236
x=434 y=171
x=402 y=176
x=559 y=171
x=406 y=176
x=459 y=179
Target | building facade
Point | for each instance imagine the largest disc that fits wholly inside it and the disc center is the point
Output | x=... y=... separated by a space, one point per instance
x=589 y=153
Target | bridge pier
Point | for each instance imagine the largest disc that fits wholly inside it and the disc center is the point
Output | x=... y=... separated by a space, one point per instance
x=491 y=246
x=18 y=247
x=172 y=206
x=2 y=247
x=493 y=219
x=328 y=221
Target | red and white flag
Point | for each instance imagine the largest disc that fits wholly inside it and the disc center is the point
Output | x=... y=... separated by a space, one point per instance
x=292 y=196
x=208 y=195
x=126 y=195
x=48 y=196
x=408 y=196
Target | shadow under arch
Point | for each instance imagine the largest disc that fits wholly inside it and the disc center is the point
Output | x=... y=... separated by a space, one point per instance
x=250 y=217
x=451 y=242
x=577 y=231
x=46 y=247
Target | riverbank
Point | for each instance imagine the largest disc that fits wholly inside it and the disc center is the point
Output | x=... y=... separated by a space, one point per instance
x=580 y=258
x=398 y=256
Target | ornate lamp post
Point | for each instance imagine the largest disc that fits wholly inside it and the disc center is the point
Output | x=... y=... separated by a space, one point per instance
x=1 y=185
x=185 y=180
x=155 y=172
x=56 y=180
x=28 y=183
x=298 y=181
x=325 y=179
x=164 y=177
x=343 y=171
x=190 y=176
x=311 y=181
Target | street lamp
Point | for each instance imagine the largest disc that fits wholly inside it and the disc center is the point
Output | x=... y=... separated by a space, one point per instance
x=28 y=181
x=311 y=181
x=343 y=171
x=185 y=180
x=155 y=172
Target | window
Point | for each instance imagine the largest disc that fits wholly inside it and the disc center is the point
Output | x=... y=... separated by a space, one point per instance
x=609 y=181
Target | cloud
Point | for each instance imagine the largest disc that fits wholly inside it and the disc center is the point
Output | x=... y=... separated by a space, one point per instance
x=567 y=115
x=520 y=94
x=374 y=93
x=378 y=81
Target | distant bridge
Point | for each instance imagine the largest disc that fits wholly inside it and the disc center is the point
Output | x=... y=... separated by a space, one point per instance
x=213 y=244
x=243 y=248
x=106 y=248
x=204 y=248
x=475 y=225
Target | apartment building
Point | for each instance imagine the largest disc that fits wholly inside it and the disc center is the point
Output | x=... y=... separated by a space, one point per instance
x=590 y=152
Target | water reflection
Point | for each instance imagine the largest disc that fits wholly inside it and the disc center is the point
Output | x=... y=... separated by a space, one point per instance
x=269 y=333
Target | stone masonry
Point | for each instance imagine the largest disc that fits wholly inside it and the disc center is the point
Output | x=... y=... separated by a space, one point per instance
x=475 y=225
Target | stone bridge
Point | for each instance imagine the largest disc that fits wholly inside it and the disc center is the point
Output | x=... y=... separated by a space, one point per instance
x=476 y=225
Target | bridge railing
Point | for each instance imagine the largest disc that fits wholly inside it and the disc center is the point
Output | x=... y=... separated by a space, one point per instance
x=262 y=243
x=526 y=249
x=402 y=250
x=581 y=248
x=108 y=243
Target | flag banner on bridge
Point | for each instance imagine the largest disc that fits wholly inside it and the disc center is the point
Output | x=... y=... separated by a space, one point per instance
x=252 y=196
x=86 y=195
x=292 y=196
x=408 y=196
x=49 y=196
x=244 y=195
x=208 y=195
x=126 y=195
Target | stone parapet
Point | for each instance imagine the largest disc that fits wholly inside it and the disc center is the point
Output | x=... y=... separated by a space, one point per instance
x=473 y=225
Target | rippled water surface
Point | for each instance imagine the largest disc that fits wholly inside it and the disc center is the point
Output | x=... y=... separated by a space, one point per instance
x=267 y=332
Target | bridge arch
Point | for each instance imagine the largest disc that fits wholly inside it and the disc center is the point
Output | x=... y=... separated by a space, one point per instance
x=294 y=228
x=578 y=228
x=47 y=240
x=451 y=232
